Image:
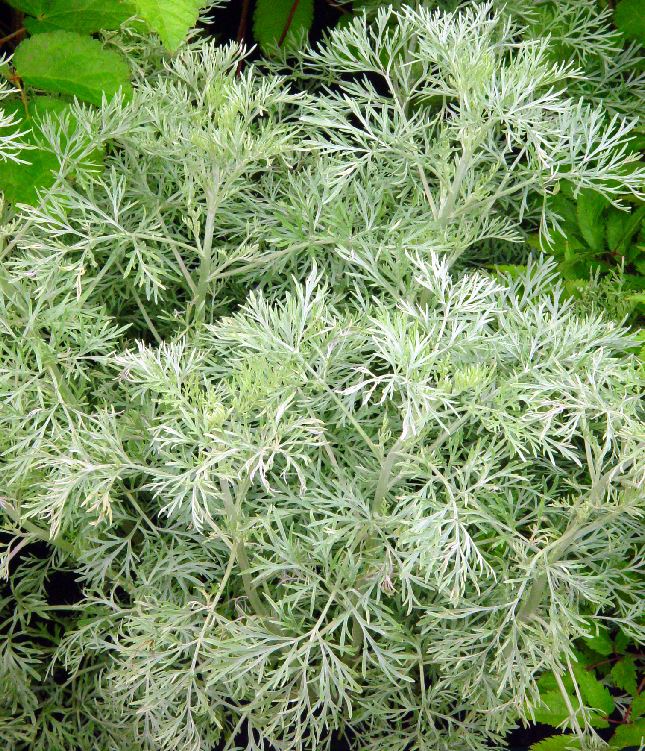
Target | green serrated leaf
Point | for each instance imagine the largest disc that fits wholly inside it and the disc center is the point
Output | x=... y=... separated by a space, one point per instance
x=629 y=735
x=64 y=62
x=621 y=228
x=553 y=710
x=593 y=692
x=271 y=17
x=20 y=183
x=600 y=642
x=629 y=18
x=623 y=674
x=556 y=743
x=617 y=224
x=83 y=16
x=589 y=209
x=171 y=19
x=511 y=270
x=29 y=7
x=621 y=642
x=565 y=208
x=638 y=706
x=547 y=682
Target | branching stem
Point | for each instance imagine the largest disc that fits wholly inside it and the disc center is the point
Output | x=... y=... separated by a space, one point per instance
x=205 y=269
x=239 y=550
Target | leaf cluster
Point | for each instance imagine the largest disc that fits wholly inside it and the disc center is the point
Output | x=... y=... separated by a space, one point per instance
x=309 y=471
x=608 y=671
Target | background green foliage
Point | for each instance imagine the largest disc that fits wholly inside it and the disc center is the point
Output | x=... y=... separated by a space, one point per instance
x=62 y=58
x=596 y=238
x=281 y=22
x=610 y=673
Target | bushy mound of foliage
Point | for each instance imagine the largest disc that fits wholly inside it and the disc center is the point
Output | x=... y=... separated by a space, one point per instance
x=310 y=472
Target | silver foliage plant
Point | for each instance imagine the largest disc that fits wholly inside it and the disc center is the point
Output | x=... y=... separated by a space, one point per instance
x=11 y=143
x=581 y=31
x=311 y=473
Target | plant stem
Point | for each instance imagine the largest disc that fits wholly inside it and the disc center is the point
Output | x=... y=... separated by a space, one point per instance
x=383 y=482
x=239 y=551
x=199 y=300
x=448 y=205
x=533 y=599
x=244 y=16
x=13 y=35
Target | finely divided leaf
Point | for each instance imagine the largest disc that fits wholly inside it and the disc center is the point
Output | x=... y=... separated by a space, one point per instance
x=171 y=19
x=64 y=62
x=271 y=18
x=83 y=16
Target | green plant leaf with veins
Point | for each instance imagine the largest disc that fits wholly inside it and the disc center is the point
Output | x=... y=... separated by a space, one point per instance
x=171 y=19
x=81 y=16
x=64 y=62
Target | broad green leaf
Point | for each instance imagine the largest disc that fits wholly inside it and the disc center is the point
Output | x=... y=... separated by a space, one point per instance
x=513 y=271
x=593 y=692
x=553 y=711
x=566 y=210
x=635 y=282
x=64 y=62
x=623 y=674
x=617 y=223
x=29 y=7
x=621 y=228
x=556 y=743
x=638 y=706
x=547 y=682
x=20 y=183
x=621 y=642
x=600 y=642
x=590 y=208
x=629 y=18
x=171 y=19
x=271 y=17
x=83 y=16
x=629 y=735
